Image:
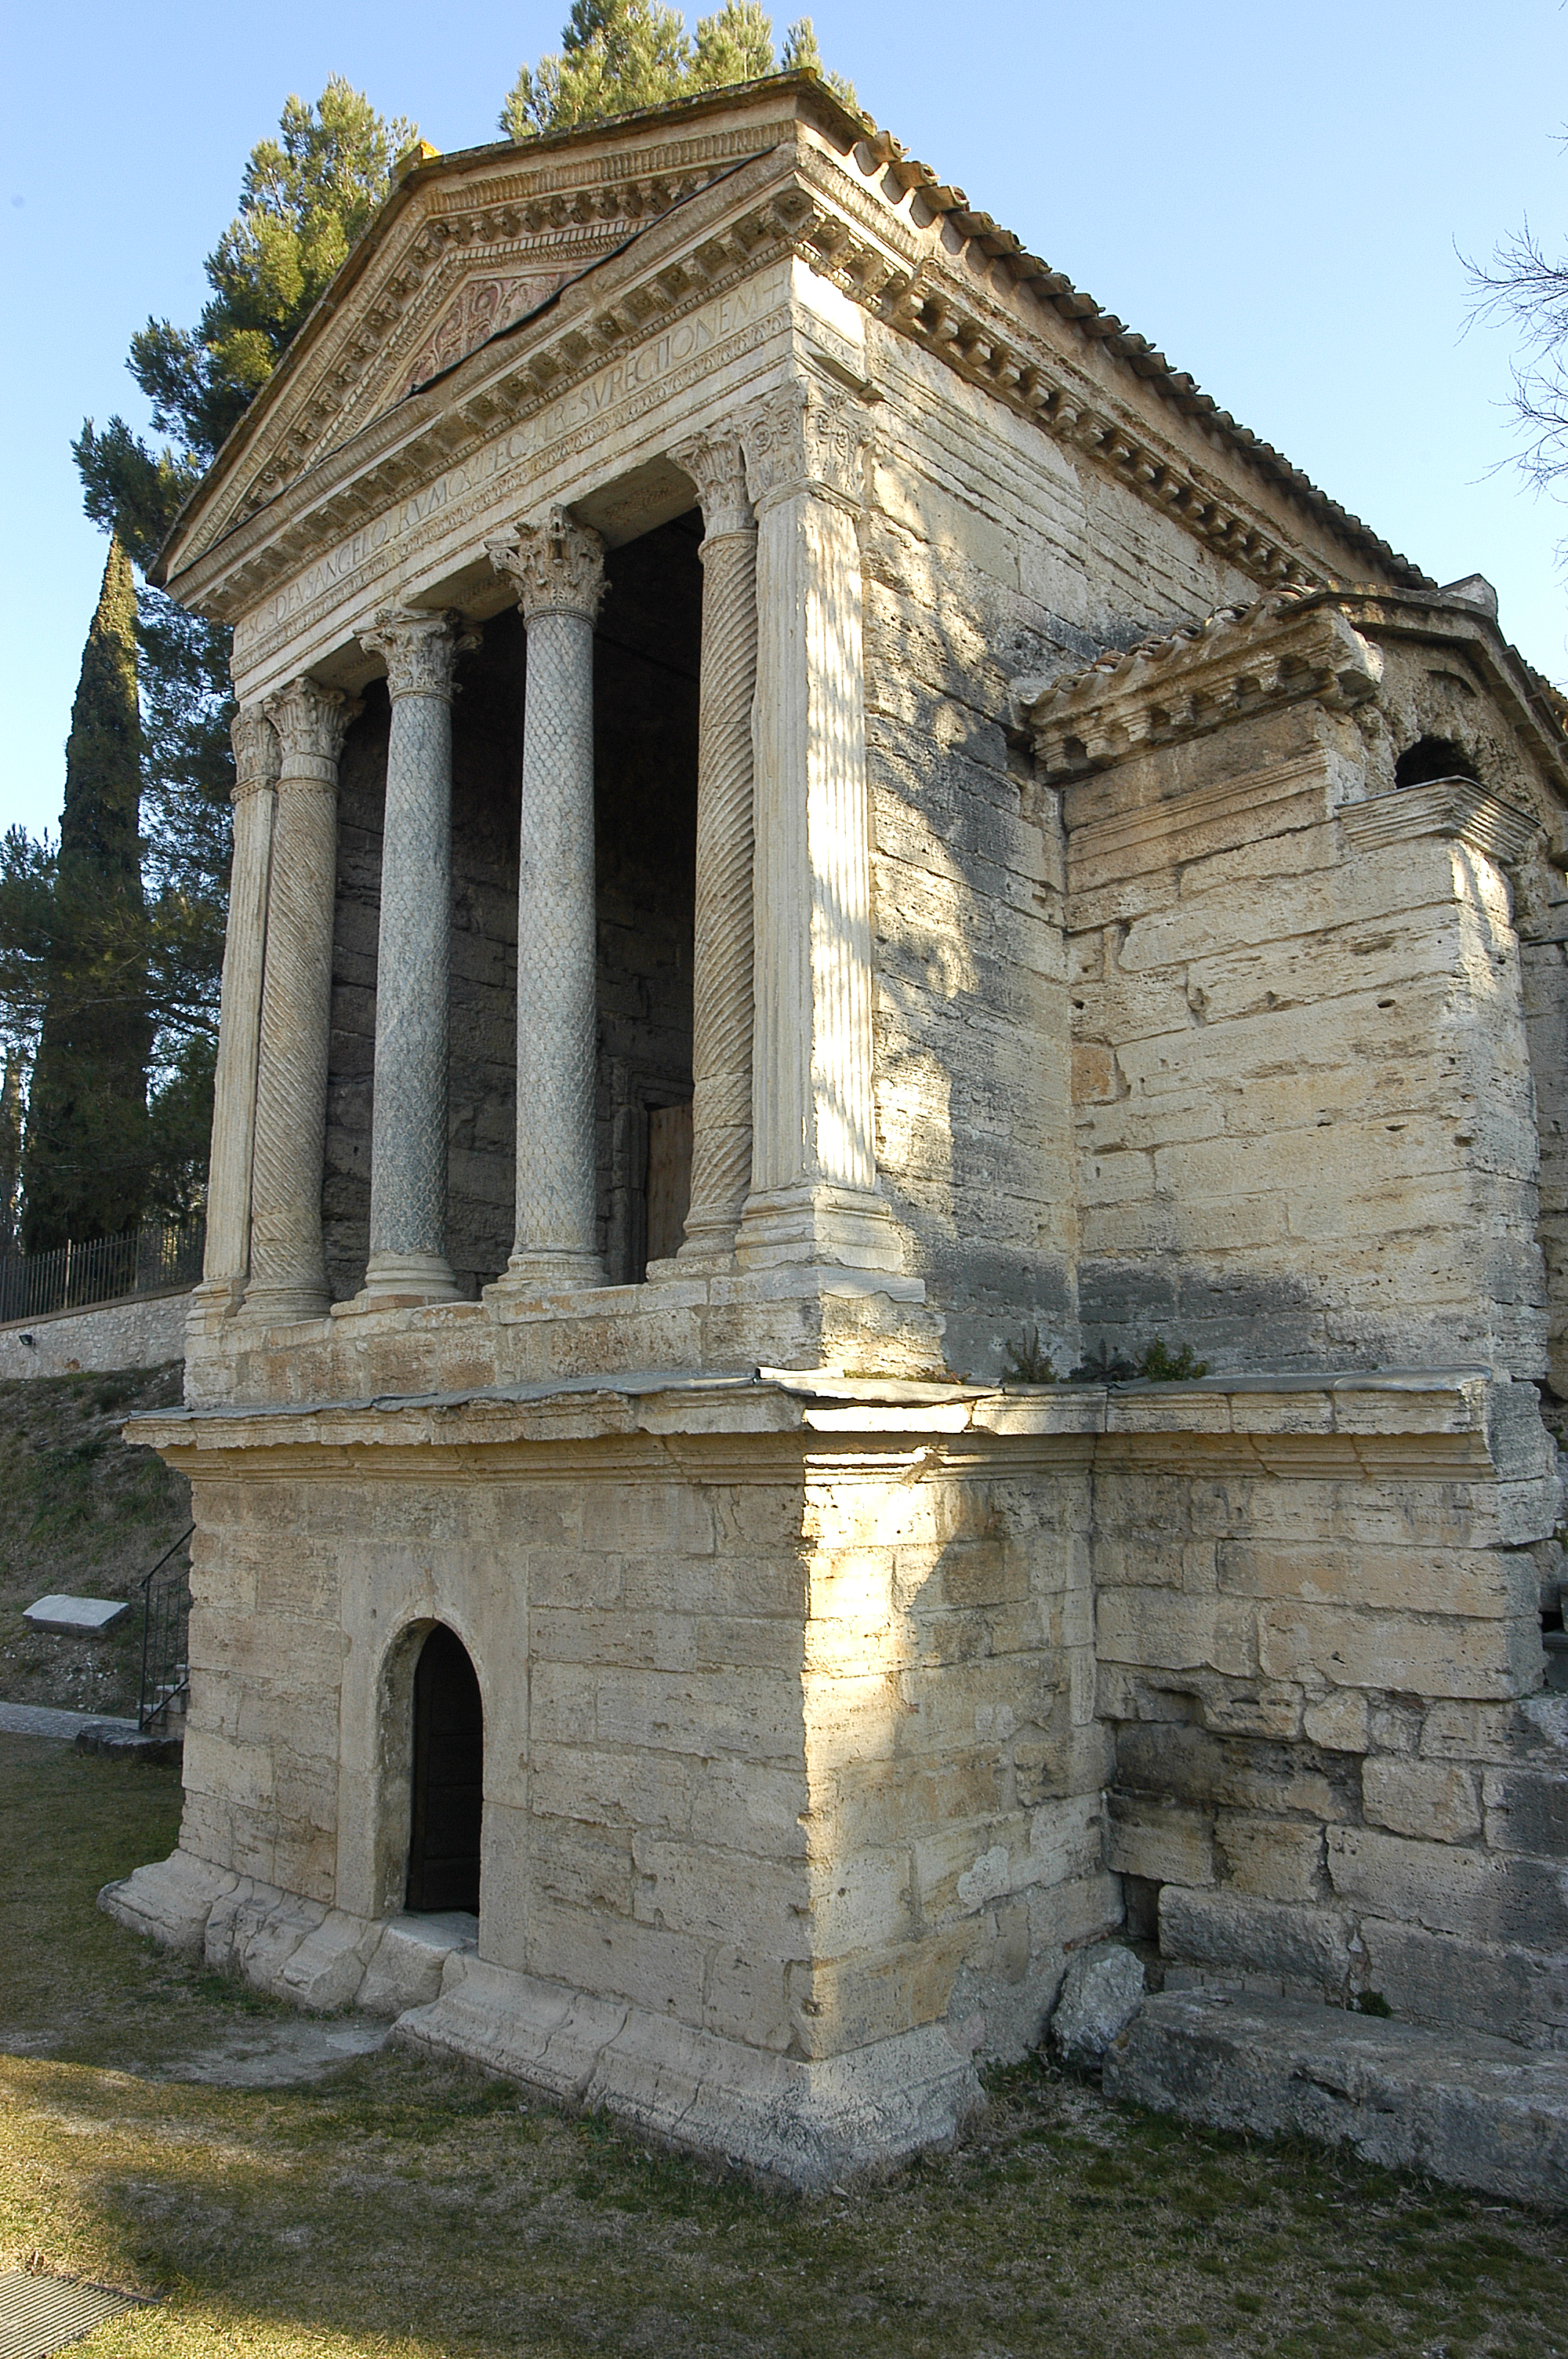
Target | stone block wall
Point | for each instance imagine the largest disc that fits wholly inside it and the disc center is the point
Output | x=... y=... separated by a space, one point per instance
x=795 y=1744
x=986 y=552
x=1335 y=1774
x=1303 y=1068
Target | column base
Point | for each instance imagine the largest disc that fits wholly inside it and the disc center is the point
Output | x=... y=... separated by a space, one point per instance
x=843 y=1228
x=709 y=1252
x=214 y=1302
x=395 y=1281
x=284 y=1305
x=547 y=1273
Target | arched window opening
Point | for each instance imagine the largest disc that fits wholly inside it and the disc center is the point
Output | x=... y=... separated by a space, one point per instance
x=448 y=1777
x=1432 y=757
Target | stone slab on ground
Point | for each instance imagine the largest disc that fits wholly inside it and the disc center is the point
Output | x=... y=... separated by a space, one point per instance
x=1454 y=2105
x=44 y=1720
x=76 y=1617
x=1101 y=1992
x=122 y=1740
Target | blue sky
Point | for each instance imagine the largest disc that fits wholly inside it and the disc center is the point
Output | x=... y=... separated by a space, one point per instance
x=1279 y=195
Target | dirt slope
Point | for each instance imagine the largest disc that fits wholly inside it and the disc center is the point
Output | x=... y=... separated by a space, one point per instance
x=80 y=1511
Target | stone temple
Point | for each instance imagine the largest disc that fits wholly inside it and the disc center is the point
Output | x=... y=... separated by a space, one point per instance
x=819 y=836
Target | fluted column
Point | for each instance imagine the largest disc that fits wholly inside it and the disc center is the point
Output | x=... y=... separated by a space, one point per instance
x=722 y=950
x=558 y=569
x=288 y=1274
x=814 y=1194
x=409 y=1123
x=227 y=1262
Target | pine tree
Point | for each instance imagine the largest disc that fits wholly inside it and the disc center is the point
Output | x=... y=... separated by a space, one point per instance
x=619 y=55
x=85 y=1156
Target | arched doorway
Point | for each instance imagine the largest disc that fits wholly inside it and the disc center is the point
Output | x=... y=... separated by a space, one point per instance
x=448 y=1777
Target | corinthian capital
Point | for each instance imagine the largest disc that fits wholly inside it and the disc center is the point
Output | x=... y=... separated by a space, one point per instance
x=257 y=757
x=803 y=438
x=717 y=465
x=311 y=724
x=557 y=566
x=419 y=649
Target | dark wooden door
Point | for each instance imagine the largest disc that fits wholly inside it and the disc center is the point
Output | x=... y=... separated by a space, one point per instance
x=448 y=1777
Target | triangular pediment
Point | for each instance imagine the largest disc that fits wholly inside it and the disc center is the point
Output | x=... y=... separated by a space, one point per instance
x=470 y=249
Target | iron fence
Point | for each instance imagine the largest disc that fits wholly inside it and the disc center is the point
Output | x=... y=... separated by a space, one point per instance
x=166 y=1623
x=106 y=1269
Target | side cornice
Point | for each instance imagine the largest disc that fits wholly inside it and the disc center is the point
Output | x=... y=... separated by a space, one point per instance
x=1285 y=649
x=905 y=247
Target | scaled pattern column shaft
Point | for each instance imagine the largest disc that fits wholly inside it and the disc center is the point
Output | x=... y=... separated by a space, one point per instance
x=408 y=1123
x=559 y=571
x=227 y=1262
x=288 y=1271
x=722 y=947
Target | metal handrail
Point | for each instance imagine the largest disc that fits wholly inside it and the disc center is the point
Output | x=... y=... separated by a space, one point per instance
x=159 y=1684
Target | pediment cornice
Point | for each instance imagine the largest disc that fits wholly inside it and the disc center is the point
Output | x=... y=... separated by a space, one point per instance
x=638 y=231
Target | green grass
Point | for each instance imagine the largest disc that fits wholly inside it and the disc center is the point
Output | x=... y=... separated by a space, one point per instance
x=402 y=2208
x=82 y=1512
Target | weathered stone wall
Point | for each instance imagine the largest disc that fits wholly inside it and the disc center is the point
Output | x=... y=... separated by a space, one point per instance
x=1334 y=1769
x=987 y=552
x=802 y=1753
x=147 y=1333
x=1302 y=1071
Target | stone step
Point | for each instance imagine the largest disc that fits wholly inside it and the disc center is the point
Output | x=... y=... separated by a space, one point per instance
x=1454 y=2105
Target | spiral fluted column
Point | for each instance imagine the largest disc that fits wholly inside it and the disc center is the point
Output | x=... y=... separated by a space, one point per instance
x=722 y=950
x=289 y=1273
x=814 y=1172
x=408 y=1121
x=558 y=567
x=227 y=1262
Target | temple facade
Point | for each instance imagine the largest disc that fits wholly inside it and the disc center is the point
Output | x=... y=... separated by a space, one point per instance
x=825 y=854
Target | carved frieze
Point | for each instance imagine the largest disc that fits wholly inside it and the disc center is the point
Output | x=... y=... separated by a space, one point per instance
x=479 y=310
x=557 y=566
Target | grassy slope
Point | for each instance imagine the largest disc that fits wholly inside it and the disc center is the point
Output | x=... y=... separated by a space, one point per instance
x=402 y=2209
x=79 y=1512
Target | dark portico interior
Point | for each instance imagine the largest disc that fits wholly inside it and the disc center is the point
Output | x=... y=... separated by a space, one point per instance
x=647 y=648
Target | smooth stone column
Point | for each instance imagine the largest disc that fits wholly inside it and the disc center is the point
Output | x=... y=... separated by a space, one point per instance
x=227 y=1263
x=558 y=569
x=409 y=1123
x=722 y=949
x=288 y=1270
x=814 y=1178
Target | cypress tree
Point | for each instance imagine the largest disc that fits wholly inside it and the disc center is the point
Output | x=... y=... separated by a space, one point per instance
x=84 y=1157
